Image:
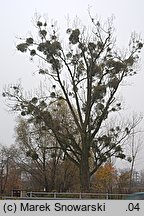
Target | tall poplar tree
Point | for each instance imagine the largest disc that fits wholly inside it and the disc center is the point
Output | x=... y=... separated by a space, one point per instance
x=86 y=71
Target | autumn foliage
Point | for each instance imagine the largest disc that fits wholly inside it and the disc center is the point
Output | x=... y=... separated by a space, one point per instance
x=105 y=178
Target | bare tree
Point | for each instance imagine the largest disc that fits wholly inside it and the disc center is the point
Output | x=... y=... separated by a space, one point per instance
x=7 y=157
x=134 y=145
x=36 y=153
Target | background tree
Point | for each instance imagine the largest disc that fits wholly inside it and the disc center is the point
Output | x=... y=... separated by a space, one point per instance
x=123 y=181
x=86 y=71
x=134 y=145
x=36 y=153
x=105 y=179
x=9 y=172
x=68 y=177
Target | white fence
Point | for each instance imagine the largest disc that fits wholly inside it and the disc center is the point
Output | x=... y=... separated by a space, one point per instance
x=55 y=195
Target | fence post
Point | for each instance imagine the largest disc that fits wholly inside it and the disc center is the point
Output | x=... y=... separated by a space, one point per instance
x=31 y=194
x=107 y=196
x=55 y=196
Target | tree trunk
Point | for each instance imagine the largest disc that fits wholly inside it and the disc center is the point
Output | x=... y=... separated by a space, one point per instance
x=84 y=170
x=131 y=175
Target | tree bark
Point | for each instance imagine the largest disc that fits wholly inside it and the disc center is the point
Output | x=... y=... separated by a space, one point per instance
x=84 y=169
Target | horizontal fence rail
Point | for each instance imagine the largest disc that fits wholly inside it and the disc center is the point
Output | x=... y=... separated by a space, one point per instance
x=56 y=195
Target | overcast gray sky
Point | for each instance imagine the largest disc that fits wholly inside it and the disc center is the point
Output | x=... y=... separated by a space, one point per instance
x=16 y=20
